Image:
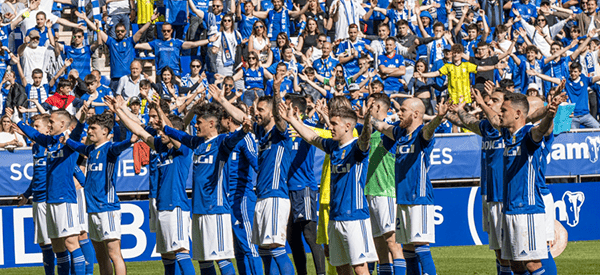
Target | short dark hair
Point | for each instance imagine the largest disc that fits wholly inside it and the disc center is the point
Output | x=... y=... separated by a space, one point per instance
x=531 y=48
x=438 y=24
x=353 y=26
x=402 y=22
x=120 y=25
x=457 y=48
x=41 y=13
x=76 y=31
x=177 y=122
x=267 y=98
x=344 y=113
x=472 y=27
x=64 y=83
x=37 y=71
x=44 y=117
x=208 y=110
x=297 y=101
x=145 y=83
x=63 y=113
x=518 y=101
x=104 y=120
x=89 y=78
x=381 y=98
x=506 y=83
x=575 y=65
x=164 y=106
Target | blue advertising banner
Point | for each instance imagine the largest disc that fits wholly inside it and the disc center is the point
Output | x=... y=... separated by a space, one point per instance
x=457 y=220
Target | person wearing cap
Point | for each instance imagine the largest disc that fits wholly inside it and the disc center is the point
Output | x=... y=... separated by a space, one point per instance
x=33 y=55
x=120 y=47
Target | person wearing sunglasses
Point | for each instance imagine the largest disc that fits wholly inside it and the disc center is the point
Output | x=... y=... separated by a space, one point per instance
x=224 y=49
x=246 y=17
x=78 y=51
x=540 y=34
x=259 y=43
x=120 y=47
x=254 y=76
x=194 y=77
x=167 y=51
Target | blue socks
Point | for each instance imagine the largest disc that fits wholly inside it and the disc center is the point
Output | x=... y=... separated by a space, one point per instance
x=48 y=259
x=185 y=263
x=371 y=267
x=207 y=268
x=425 y=259
x=399 y=266
x=540 y=271
x=549 y=265
x=283 y=261
x=170 y=266
x=504 y=270
x=78 y=262
x=385 y=269
x=267 y=259
x=63 y=263
x=412 y=263
x=226 y=267
x=90 y=255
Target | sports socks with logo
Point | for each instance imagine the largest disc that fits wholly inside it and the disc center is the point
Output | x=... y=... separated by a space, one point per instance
x=78 y=262
x=185 y=263
x=90 y=255
x=63 y=263
x=425 y=259
x=48 y=259
x=399 y=266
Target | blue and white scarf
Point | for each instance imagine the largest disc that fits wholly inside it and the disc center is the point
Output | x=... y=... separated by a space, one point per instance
x=283 y=22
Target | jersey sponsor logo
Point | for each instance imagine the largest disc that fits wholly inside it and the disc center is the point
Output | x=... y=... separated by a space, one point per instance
x=165 y=162
x=569 y=207
x=56 y=154
x=492 y=144
x=512 y=151
x=341 y=168
x=95 y=167
x=405 y=149
x=295 y=146
x=202 y=159
x=40 y=162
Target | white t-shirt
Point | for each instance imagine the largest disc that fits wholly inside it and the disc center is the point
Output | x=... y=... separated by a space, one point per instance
x=29 y=22
x=350 y=12
x=34 y=59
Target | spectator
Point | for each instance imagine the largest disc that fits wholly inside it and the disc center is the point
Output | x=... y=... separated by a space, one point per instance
x=33 y=56
x=129 y=85
x=259 y=43
x=78 y=51
x=9 y=138
x=42 y=27
x=118 y=15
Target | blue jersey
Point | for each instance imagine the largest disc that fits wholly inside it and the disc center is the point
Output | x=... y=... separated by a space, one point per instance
x=527 y=79
x=239 y=175
x=245 y=26
x=43 y=34
x=413 y=185
x=209 y=190
x=99 y=99
x=278 y=22
x=349 y=167
x=286 y=86
x=545 y=159
x=122 y=54
x=254 y=78
x=325 y=67
x=522 y=155
x=351 y=67
x=173 y=169
x=391 y=84
x=274 y=159
x=302 y=172
x=577 y=90
x=153 y=175
x=167 y=54
x=492 y=149
x=81 y=59
x=557 y=69
x=60 y=162
x=176 y=12
x=527 y=11
x=100 y=182
x=37 y=187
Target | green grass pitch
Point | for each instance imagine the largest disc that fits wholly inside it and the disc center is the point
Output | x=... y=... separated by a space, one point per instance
x=578 y=258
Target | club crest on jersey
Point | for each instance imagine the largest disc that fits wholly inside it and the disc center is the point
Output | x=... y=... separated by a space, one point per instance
x=343 y=154
x=208 y=147
x=341 y=168
x=98 y=155
x=124 y=44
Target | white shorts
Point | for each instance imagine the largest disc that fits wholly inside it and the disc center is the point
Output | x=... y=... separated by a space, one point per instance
x=270 y=221
x=351 y=242
x=39 y=223
x=383 y=214
x=82 y=207
x=495 y=224
x=415 y=224
x=62 y=220
x=153 y=214
x=524 y=237
x=484 y=214
x=212 y=237
x=550 y=216
x=105 y=225
x=172 y=230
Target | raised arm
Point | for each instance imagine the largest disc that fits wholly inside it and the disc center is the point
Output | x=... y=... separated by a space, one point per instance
x=492 y=116
x=560 y=52
x=135 y=128
x=281 y=124
x=467 y=120
x=538 y=132
x=193 y=44
x=217 y=95
x=286 y=113
x=544 y=77
x=364 y=140
x=297 y=13
x=195 y=10
x=142 y=30
x=429 y=128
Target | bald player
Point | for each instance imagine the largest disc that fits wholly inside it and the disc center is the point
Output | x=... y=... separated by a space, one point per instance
x=414 y=193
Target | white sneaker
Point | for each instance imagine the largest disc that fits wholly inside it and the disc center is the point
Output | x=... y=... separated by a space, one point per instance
x=142 y=55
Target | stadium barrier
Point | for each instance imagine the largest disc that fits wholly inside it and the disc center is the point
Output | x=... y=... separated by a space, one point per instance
x=457 y=210
x=457 y=220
